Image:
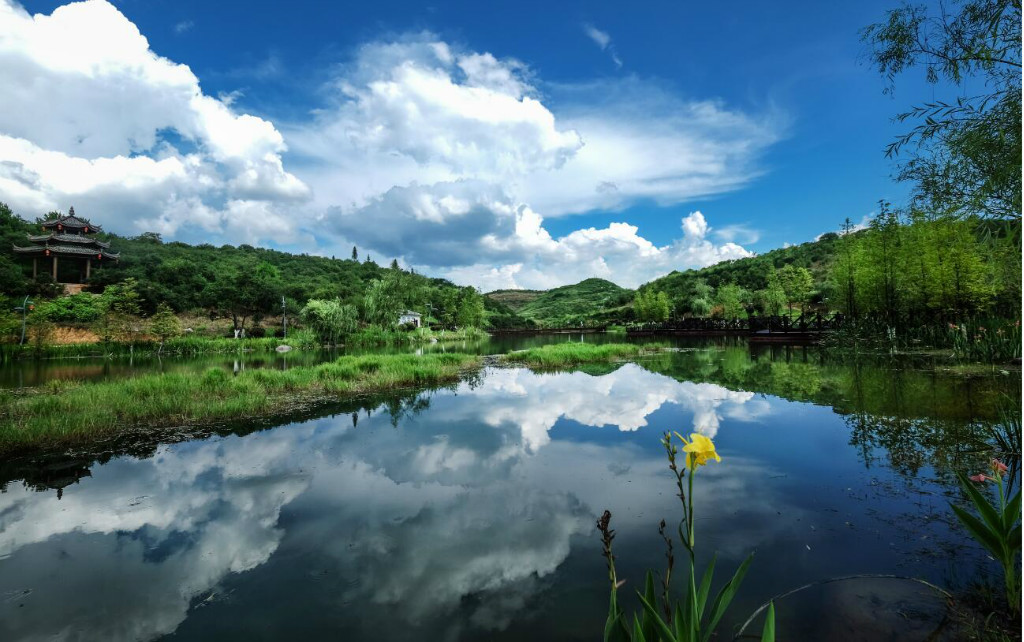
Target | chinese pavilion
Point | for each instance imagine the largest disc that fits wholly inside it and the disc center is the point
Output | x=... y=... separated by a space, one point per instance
x=69 y=238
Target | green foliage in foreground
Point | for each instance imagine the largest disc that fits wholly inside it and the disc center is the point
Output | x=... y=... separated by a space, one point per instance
x=997 y=528
x=63 y=413
x=664 y=618
x=570 y=354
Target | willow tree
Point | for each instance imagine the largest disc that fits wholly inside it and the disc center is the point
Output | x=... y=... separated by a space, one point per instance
x=963 y=153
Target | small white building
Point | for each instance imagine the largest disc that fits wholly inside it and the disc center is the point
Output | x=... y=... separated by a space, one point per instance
x=410 y=317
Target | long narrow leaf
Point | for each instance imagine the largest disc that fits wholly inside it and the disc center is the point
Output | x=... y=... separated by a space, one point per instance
x=768 y=634
x=615 y=626
x=681 y=623
x=725 y=596
x=649 y=630
x=985 y=508
x=980 y=532
x=652 y=611
x=705 y=587
x=1012 y=515
x=638 y=631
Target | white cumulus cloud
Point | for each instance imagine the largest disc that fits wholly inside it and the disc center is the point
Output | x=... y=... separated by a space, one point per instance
x=94 y=117
x=446 y=158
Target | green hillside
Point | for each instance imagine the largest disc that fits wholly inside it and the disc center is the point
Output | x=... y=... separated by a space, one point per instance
x=751 y=273
x=514 y=299
x=205 y=278
x=587 y=301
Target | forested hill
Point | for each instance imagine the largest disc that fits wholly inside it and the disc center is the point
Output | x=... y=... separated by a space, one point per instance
x=752 y=273
x=600 y=301
x=205 y=277
x=588 y=300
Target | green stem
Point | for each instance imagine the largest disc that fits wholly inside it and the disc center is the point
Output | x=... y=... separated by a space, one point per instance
x=689 y=519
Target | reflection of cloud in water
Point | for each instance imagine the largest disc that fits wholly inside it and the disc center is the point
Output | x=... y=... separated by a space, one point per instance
x=469 y=498
x=124 y=553
x=623 y=398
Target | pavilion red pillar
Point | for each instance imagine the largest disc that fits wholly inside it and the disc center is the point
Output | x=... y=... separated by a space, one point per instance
x=54 y=267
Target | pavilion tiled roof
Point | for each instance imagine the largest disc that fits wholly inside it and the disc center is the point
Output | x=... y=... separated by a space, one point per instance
x=67 y=250
x=67 y=238
x=70 y=221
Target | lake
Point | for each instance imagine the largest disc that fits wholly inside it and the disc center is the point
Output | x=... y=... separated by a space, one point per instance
x=468 y=512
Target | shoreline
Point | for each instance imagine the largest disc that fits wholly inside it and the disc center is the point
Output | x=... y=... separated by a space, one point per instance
x=63 y=413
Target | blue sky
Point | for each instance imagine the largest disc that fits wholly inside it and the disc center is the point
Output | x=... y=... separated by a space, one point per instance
x=503 y=144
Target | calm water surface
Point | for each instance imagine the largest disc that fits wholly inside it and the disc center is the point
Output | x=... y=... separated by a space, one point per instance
x=467 y=513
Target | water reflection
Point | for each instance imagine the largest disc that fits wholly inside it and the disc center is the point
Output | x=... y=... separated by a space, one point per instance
x=466 y=512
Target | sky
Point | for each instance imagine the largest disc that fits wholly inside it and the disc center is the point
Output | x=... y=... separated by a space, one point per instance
x=499 y=144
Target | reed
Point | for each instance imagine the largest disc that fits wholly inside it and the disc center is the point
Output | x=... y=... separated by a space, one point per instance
x=571 y=354
x=66 y=413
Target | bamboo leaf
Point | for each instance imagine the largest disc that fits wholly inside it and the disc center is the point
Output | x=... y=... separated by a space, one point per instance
x=768 y=634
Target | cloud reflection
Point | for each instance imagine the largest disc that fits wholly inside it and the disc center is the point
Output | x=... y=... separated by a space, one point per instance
x=471 y=498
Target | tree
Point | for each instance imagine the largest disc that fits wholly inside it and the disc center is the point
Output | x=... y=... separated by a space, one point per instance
x=355 y=253
x=253 y=288
x=964 y=153
x=330 y=319
x=731 y=298
x=164 y=324
x=394 y=264
x=701 y=296
x=446 y=306
x=651 y=305
x=796 y=283
x=383 y=300
x=471 y=308
x=121 y=318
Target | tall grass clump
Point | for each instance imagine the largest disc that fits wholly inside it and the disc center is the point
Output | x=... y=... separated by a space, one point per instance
x=570 y=354
x=664 y=617
x=78 y=412
x=375 y=335
x=991 y=342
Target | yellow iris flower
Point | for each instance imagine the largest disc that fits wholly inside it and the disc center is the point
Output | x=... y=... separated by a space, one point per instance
x=699 y=449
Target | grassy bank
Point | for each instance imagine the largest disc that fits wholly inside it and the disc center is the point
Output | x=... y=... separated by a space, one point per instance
x=63 y=413
x=188 y=345
x=571 y=354
x=184 y=345
x=377 y=336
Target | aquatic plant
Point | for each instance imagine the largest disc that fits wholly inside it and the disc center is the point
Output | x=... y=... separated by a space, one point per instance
x=570 y=354
x=990 y=342
x=689 y=619
x=998 y=529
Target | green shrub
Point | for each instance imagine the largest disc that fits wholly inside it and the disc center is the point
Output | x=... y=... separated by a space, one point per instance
x=77 y=308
